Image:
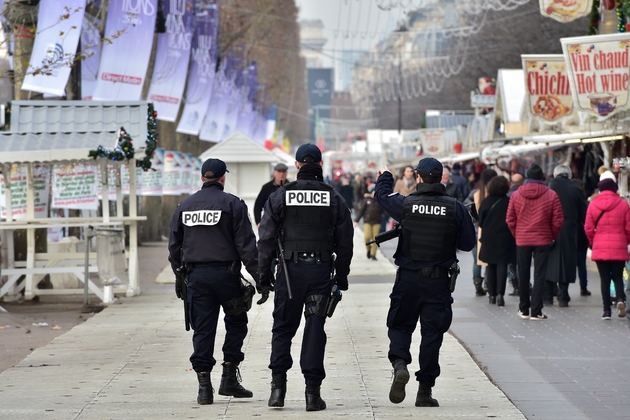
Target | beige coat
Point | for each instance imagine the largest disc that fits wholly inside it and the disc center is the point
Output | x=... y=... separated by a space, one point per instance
x=402 y=189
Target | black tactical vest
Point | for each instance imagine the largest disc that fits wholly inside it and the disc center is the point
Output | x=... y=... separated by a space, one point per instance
x=429 y=227
x=308 y=222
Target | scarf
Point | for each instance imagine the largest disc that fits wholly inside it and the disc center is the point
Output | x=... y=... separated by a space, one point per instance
x=311 y=172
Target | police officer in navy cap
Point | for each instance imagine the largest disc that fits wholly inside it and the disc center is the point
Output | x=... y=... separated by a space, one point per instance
x=434 y=226
x=313 y=224
x=211 y=234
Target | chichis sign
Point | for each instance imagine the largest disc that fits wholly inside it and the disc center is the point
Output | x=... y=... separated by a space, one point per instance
x=565 y=10
x=547 y=84
x=599 y=72
x=432 y=141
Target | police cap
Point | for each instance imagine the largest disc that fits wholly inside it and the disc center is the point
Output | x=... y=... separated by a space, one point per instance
x=308 y=153
x=213 y=168
x=430 y=166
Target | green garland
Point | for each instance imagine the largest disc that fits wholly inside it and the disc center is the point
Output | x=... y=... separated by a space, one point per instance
x=621 y=9
x=124 y=148
x=152 y=135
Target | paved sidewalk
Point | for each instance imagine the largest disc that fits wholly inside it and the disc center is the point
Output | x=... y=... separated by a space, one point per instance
x=131 y=362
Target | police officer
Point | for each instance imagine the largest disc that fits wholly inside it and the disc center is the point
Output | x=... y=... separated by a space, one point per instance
x=313 y=224
x=434 y=225
x=211 y=234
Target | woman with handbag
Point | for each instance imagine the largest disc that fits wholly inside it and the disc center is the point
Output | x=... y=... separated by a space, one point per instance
x=498 y=247
x=607 y=227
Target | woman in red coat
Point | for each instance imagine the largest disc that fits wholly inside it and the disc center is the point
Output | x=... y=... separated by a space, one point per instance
x=607 y=227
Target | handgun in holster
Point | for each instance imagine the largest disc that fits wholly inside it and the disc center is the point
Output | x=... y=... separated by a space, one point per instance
x=183 y=271
x=453 y=272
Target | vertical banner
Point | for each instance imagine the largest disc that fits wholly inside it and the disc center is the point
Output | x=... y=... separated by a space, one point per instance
x=565 y=10
x=171 y=59
x=432 y=141
x=172 y=173
x=320 y=88
x=202 y=69
x=152 y=179
x=74 y=187
x=19 y=187
x=547 y=88
x=55 y=46
x=91 y=45
x=599 y=72
x=126 y=50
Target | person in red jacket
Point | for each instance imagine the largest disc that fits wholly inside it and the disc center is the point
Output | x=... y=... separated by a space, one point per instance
x=535 y=218
x=607 y=228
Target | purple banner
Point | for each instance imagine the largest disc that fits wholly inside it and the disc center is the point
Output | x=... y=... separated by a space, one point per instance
x=126 y=50
x=91 y=44
x=55 y=46
x=202 y=68
x=171 y=59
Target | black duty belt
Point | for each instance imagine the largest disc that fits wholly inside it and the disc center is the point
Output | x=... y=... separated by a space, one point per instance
x=434 y=272
x=214 y=264
x=310 y=257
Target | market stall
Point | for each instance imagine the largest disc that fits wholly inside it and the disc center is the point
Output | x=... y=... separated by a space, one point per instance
x=45 y=164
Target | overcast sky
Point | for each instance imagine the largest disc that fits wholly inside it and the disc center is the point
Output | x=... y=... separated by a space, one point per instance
x=349 y=24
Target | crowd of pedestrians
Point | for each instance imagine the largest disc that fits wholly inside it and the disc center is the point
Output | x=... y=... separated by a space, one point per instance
x=520 y=218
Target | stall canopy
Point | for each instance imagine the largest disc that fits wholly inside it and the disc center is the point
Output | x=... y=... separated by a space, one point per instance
x=45 y=131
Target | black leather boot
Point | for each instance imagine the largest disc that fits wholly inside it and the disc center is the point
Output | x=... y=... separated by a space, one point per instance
x=478 y=281
x=424 y=398
x=314 y=401
x=205 y=389
x=401 y=377
x=230 y=379
x=500 y=300
x=278 y=390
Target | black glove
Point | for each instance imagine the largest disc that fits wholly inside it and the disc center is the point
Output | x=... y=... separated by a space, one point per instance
x=341 y=282
x=265 y=282
x=179 y=286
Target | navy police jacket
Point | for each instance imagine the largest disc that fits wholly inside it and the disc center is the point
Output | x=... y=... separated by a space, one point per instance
x=392 y=203
x=212 y=226
x=274 y=216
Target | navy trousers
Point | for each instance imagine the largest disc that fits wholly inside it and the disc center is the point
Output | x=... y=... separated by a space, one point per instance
x=208 y=289
x=306 y=279
x=415 y=296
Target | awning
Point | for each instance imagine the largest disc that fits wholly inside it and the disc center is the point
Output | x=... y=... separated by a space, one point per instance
x=460 y=157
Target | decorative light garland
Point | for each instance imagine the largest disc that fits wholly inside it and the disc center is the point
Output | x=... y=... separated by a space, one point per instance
x=623 y=10
x=124 y=149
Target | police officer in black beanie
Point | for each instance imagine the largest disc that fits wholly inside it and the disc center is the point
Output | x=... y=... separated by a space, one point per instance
x=314 y=225
x=434 y=226
x=211 y=234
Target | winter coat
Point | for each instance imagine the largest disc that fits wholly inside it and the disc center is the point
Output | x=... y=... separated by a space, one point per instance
x=402 y=188
x=370 y=211
x=563 y=254
x=611 y=237
x=534 y=215
x=497 y=242
x=453 y=190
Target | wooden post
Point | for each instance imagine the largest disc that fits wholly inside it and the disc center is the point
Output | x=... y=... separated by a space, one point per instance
x=134 y=274
x=104 y=190
x=30 y=232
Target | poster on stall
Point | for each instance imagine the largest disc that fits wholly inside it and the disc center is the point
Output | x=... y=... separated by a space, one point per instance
x=152 y=179
x=172 y=173
x=547 y=88
x=74 y=187
x=55 y=46
x=186 y=169
x=565 y=10
x=195 y=180
x=599 y=72
x=19 y=187
x=125 y=179
x=126 y=50
x=432 y=141
x=201 y=72
x=171 y=59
